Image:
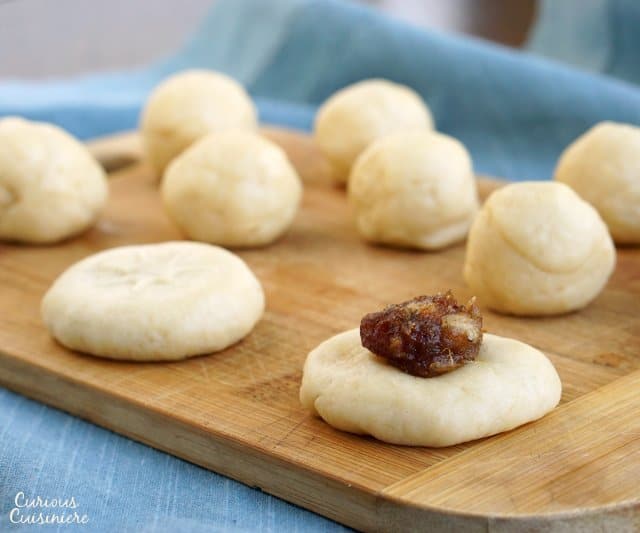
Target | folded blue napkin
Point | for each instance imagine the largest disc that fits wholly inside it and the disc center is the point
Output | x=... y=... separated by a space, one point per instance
x=513 y=110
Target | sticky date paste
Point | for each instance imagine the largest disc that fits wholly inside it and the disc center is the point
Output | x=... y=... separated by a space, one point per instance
x=426 y=336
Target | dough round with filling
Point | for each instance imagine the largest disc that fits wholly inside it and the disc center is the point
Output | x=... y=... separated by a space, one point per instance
x=232 y=189
x=154 y=302
x=355 y=116
x=509 y=384
x=51 y=188
x=414 y=189
x=538 y=249
x=603 y=167
x=187 y=106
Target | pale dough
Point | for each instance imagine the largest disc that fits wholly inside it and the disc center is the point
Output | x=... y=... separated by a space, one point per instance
x=154 y=302
x=51 y=188
x=355 y=116
x=187 y=106
x=537 y=249
x=509 y=384
x=232 y=189
x=603 y=167
x=414 y=189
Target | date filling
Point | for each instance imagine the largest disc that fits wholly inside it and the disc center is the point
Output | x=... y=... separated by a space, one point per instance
x=426 y=336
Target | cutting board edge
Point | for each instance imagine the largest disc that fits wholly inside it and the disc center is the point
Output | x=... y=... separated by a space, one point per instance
x=120 y=151
x=258 y=469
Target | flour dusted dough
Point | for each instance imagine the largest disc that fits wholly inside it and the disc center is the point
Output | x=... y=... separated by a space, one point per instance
x=232 y=189
x=187 y=106
x=414 y=189
x=603 y=167
x=537 y=249
x=154 y=302
x=50 y=186
x=509 y=384
x=358 y=114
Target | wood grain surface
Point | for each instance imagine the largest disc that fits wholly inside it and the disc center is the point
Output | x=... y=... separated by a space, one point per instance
x=237 y=411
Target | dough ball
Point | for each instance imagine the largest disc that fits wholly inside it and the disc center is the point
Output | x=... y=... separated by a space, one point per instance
x=154 y=302
x=509 y=384
x=50 y=186
x=603 y=167
x=537 y=249
x=189 y=105
x=357 y=115
x=232 y=189
x=414 y=189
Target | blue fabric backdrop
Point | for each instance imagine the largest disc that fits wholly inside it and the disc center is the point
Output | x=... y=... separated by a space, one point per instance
x=514 y=110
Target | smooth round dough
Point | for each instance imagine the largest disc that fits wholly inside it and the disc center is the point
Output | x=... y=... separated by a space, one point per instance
x=51 y=188
x=154 y=302
x=355 y=116
x=414 y=189
x=603 y=167
x=233 y=189
x=189 y=105
x=538 y=249
x=509 y=384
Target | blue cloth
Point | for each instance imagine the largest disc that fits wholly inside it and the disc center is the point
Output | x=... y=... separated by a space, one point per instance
x=596 y=35
x=122 y=485
x=514 y=111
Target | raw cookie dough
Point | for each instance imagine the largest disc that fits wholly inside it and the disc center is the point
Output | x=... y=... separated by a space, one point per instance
x=603 y=167
x=509 y=384
x=154 y=302
x=414 y=189
x=538 y=249
x=51 y=188
x=355 y=116
x=187 y=106
x=232 y=189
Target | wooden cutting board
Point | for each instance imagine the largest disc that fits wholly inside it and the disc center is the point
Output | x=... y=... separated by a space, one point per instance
x=237 y=412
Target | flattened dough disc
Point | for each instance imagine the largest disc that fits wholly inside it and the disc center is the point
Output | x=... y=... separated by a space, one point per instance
x=509 y=384
x=154 y=302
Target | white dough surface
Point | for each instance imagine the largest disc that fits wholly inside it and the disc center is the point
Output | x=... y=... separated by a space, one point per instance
x=509 y=384
x=154 y=302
